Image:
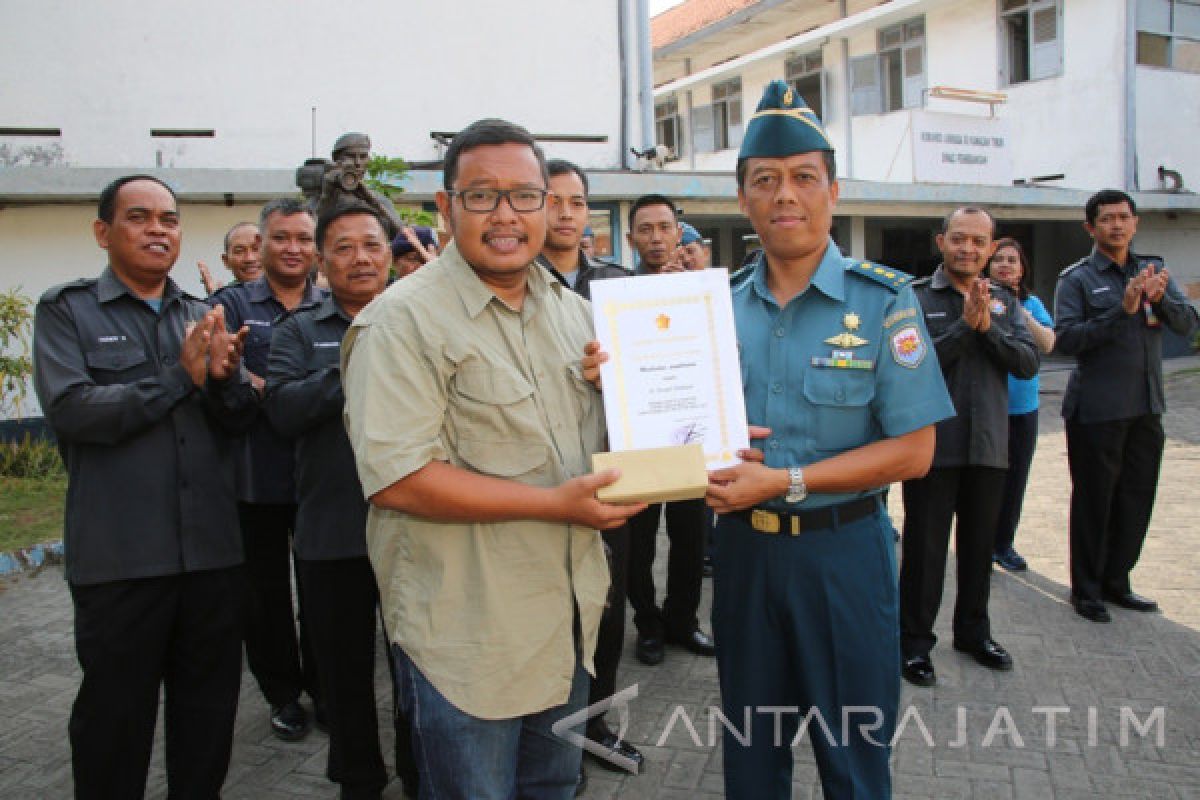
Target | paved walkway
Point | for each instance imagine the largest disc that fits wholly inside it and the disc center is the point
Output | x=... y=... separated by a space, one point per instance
x=1089 y=672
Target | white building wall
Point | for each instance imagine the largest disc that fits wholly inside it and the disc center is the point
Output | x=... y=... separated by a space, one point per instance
x=108 y=72
x=1168 y=126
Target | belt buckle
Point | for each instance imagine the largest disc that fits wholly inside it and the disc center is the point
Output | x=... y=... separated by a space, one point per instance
x=764 y=521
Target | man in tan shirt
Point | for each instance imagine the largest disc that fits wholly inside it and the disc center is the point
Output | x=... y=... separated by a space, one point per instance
x=473 y=427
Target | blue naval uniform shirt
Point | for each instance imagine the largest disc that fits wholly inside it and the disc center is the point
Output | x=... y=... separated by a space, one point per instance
x=822 y=399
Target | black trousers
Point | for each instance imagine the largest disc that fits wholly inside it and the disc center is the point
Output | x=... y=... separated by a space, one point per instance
x=181 y=633
x=612 y=623
x=340 y=603
x=1022 y=441
x=1114 y=475
x=685 y=567
x=283 y=666
x=972 y=494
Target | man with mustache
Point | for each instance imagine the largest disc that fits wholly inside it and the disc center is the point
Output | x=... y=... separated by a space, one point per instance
x=473 y=427
x=265 y=484
x=1109 y=310
x=140 y=382
x=980 y=337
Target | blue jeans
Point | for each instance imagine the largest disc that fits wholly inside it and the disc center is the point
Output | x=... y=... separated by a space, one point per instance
x=461 y=757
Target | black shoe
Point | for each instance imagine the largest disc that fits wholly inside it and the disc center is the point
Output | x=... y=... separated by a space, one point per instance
x=1132 y=601
x=603 y=736
x=697 y=642
x=708 y=566
x=649 y=650
x=987 y=653
x=290 y=722
x=1011 y=560
x=320 y=721
x=581 y=782
x=1090 y=609
x=918 y=671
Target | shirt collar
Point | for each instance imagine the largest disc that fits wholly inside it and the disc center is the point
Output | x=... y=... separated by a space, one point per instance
x=475 y=293
x=327 y=308
x=1101 y=261
x=940 y=280
x=829 y=277
x=109 y=287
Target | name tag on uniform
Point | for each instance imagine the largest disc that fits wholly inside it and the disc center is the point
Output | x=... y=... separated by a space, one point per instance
x=266 y=323
x=935 y=314
x=326 y=344
x=1100 y=289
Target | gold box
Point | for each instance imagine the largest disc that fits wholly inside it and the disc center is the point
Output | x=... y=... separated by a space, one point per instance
x=656 y=475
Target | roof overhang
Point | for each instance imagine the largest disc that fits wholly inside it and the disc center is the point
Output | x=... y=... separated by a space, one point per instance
x=880 y=16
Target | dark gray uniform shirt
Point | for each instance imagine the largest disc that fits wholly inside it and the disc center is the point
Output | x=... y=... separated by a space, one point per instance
x=1118 y=371
x=264 y=462
x=150 y=465
x=304 y=403
x=976 y=368
x=590 y=269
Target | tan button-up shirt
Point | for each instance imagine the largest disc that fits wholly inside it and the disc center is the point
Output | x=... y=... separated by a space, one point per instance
x=439 y=368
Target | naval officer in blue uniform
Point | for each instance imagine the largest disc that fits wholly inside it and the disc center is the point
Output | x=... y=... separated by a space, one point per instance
x=840 y=372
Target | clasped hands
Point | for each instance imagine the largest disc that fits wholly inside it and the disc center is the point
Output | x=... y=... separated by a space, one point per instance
x=209 y=350
x=977 y=311
x=1149 y=283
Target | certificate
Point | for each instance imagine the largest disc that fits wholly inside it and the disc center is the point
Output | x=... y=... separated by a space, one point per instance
x=672 y=378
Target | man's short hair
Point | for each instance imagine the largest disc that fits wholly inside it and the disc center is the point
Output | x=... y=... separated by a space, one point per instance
x=229 y=233
x=284 y=206
x=560 y=166
x=1106 y=197
x=648 y=200
x=344 y=210
x=487 y=132
x=968 y=210
x=106 y=209
x=826 y=155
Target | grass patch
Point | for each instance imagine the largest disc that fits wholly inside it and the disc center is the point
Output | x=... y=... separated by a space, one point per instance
x=31 y=511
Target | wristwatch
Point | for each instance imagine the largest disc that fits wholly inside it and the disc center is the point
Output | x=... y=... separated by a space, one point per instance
x=797 y=491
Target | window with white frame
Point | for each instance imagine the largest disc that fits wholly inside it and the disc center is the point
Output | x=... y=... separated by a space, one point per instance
x=1168 y=34
x=894 y=77
x=667 y=125
x=1030 y=40
x=719 y=126
x=806 y=75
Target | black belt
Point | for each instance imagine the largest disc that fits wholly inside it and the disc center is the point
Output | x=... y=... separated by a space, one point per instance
x=816 y=519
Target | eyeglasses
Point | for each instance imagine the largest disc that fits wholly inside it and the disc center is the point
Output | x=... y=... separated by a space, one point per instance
x=484 y=200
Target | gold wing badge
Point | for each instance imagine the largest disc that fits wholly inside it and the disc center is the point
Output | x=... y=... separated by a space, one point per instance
x=847 y=338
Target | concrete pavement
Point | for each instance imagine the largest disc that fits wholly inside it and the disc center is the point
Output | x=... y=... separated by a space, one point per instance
x=1089 y=710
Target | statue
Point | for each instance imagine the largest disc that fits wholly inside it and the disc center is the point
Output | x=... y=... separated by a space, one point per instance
x=342 y=181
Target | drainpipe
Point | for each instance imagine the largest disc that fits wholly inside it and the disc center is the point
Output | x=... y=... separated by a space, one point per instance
x=645 y=73
x=623 y=58
x=1130 y=99
x=846 y=94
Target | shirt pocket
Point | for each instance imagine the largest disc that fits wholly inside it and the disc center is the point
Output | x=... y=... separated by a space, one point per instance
x=323 y=358
x=524 y=463
x=841 y=407
x=1099 y=302
x=121 y=364
x=489 y=404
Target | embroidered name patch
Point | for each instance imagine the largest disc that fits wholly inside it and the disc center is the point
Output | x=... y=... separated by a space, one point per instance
x=908 y=348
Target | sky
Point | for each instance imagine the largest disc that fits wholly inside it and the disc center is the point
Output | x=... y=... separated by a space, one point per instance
x=659 y=6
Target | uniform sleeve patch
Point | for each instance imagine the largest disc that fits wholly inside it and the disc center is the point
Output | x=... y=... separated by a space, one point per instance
x=908 y=348
x=898 y=316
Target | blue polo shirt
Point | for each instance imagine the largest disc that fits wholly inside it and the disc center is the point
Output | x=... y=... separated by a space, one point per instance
x=845 y=363
x=1023 y=394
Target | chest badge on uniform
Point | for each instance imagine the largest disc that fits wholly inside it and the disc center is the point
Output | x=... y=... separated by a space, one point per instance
x=997 y=307
x=847 y=338
x=908 y=348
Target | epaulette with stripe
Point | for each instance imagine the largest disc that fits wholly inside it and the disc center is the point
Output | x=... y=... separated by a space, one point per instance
x=893 y=279
x=54 y=292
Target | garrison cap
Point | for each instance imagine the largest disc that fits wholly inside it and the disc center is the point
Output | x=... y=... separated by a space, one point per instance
x=402 y=246
x=690 y=234
x=782 y=126
x=348 y=140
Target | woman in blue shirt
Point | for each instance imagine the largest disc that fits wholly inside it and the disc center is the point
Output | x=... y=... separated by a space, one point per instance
x=1010 y=268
